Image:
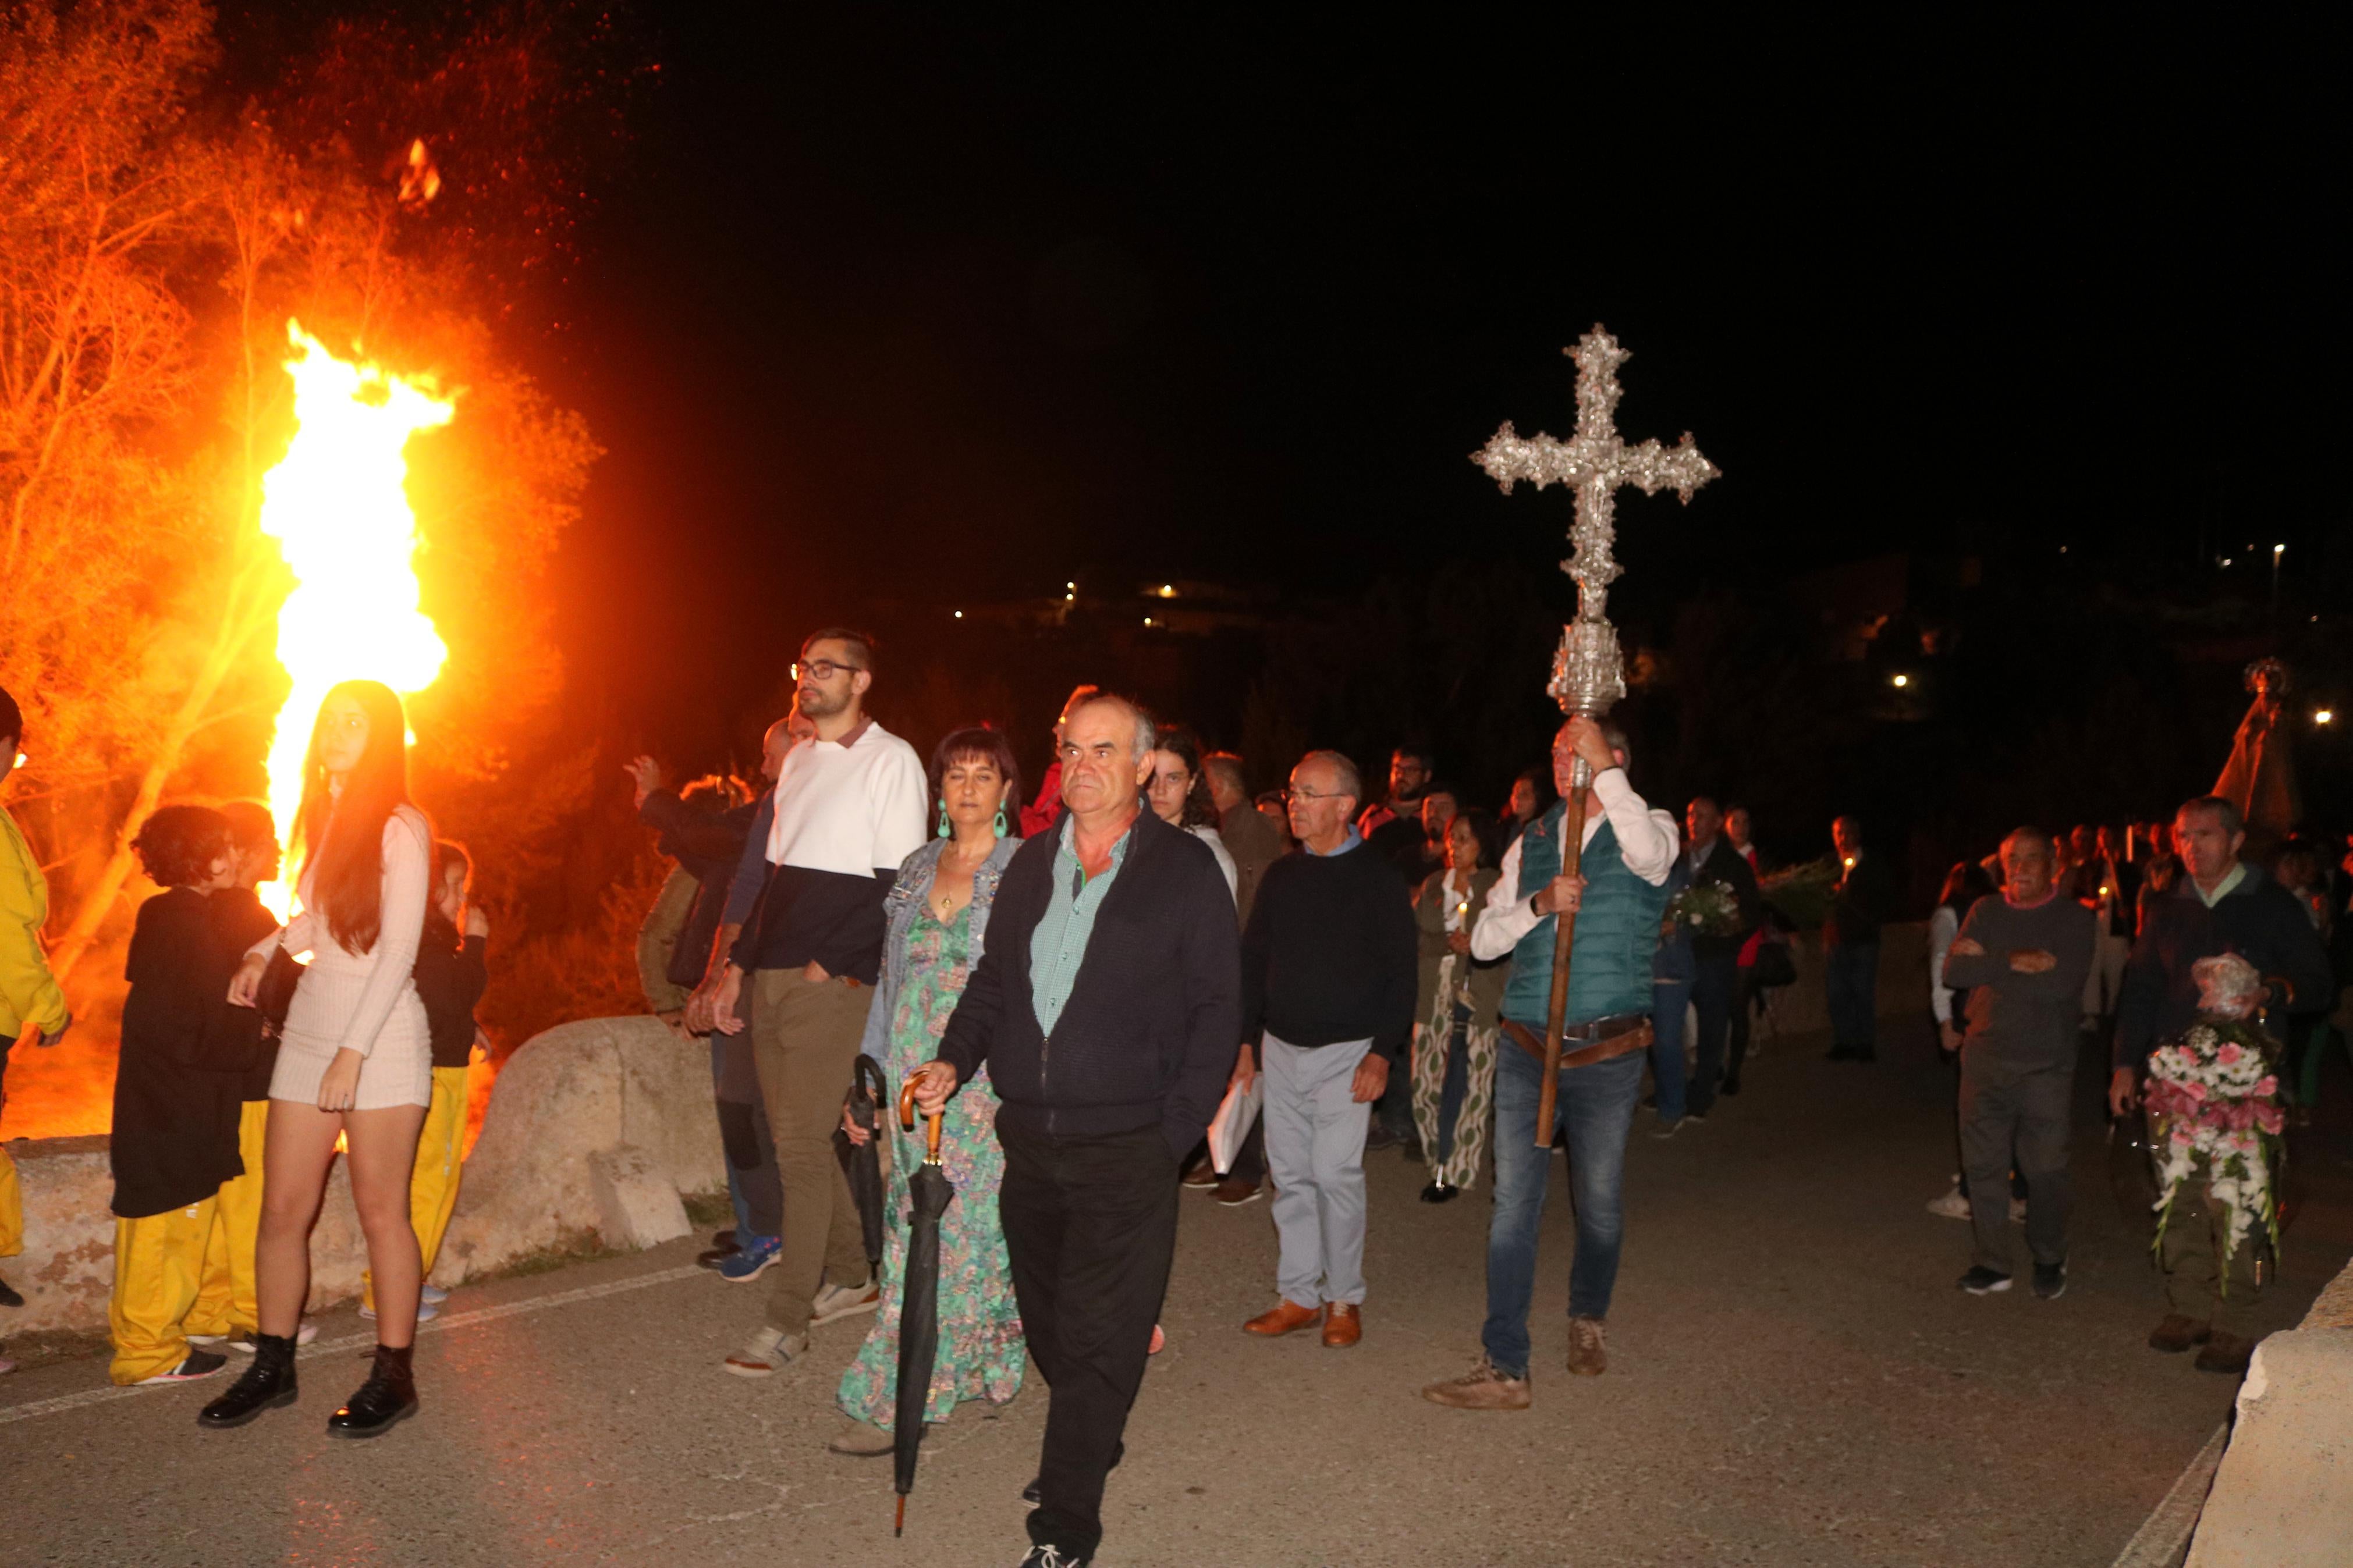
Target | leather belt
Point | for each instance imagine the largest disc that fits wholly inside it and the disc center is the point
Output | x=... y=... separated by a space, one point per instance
x=1582 y=1044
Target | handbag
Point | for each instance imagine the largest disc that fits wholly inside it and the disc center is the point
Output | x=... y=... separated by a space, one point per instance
x=1774 y=967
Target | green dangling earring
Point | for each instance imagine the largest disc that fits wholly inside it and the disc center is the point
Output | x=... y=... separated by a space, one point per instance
x=945 y=831
x=1000 y=819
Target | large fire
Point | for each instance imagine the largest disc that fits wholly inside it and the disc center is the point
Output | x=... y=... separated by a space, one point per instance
x=338 y=506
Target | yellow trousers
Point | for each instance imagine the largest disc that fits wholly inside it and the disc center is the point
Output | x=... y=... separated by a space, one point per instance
x=12 y=1207
x=226 y=1302
x=441 y=1156
x=157 y=1258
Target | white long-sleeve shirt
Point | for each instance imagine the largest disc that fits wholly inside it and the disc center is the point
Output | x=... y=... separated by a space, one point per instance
x=1648 y=841
x=1943 y=927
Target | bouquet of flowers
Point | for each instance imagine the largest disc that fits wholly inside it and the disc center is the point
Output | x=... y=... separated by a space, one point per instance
x=1802 y=893
x=1704 y=908
x=2213 y=1105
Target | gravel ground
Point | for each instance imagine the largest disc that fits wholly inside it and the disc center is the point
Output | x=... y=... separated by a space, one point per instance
x=1794 y=1380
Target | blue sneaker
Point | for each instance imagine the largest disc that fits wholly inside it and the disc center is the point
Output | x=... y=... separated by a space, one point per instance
x=750 y=1262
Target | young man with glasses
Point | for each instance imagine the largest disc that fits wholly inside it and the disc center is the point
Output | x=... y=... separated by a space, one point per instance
x=849 y=809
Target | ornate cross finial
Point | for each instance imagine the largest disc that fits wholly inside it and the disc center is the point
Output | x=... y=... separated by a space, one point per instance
x=1588 y=672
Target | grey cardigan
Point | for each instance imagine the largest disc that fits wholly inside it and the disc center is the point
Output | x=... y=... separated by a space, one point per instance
x=900 y=907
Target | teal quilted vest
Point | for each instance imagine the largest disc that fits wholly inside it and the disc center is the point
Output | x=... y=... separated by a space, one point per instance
x=1617 y=931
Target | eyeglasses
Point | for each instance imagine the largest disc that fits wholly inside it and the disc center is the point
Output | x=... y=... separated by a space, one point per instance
x=821 y=668
x=1291 y=795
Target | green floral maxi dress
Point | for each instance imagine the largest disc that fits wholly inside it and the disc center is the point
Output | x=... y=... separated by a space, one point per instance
x=982 y=1355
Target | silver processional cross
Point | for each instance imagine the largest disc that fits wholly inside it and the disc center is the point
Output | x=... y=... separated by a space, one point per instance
x=1589 y=673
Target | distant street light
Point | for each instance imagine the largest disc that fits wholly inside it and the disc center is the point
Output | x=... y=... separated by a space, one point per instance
x=1901 y=680
x=2277 y=550
x=2324 y=715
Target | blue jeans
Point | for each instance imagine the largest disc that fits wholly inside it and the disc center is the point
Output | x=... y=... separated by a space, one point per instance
x=1668 y=997
x=1595 y=1108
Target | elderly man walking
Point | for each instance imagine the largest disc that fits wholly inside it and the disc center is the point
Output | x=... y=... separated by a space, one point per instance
x=1619 y=894
x=2022 y=955
x=1113 y=938
x=2219 y=904
x=1328 y=989
x=848 y=809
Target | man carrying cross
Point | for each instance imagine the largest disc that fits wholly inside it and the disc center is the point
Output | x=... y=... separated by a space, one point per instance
x=1618 y=896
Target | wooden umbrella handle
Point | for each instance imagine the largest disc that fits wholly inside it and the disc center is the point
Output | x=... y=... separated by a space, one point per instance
x=1572 y=851
x=907 y=1121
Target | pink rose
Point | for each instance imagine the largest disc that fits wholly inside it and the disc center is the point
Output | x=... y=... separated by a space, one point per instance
x=2269 y=1119
x=2230 y=1054
x=2268 y=1086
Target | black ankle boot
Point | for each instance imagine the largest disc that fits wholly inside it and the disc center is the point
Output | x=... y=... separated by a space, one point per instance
x=268 y=1384
x=388 y=1395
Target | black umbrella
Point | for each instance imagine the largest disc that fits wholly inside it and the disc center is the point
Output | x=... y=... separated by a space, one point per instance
x=919 y=1309
x=862 y=1163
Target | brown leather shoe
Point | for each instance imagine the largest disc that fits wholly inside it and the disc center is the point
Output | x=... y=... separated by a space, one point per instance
x=1342 y=1325
x=1480 y=1388
x=2224 y=1351
x=2178 y=1333
x=1588 y=1347
x=1286 y=1317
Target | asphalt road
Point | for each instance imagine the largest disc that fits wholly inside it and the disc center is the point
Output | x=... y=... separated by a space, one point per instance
x=1794 y=1380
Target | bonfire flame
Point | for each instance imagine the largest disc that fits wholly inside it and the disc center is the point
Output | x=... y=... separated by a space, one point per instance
x=338 y=506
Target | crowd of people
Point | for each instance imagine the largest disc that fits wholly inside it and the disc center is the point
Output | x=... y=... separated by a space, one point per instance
x=1077 y=981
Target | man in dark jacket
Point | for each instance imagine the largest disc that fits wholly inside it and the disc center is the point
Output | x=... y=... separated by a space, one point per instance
x=2219 y=904
x=1328 y=986
x=1864 y=901
x=1716 y=955
x=1106 y=1009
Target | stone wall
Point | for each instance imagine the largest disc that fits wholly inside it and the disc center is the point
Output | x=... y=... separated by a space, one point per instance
x=595 y=1128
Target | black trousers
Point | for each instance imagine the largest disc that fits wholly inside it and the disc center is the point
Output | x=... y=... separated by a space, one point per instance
x=1713 y=980
x=1745 y=993
x=1090 y=1230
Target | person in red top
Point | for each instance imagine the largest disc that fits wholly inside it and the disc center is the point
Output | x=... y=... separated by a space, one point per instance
x=1047 y=809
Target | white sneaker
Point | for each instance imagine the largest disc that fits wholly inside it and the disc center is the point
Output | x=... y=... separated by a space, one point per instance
x=425 y=1311
x=1952 y=1206
x=834 y=1301
x=767 y=1352
x=2018 y=1211
x=242 y=1344
x=434 y=1295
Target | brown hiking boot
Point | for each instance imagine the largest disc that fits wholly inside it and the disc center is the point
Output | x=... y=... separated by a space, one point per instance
x=1480 y=1388
x=2225 y=1352
x=1588 y=1347
x=1284 y=1316
x=2177 y=1334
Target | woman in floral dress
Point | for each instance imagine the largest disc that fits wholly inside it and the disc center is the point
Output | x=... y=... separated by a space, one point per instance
x=938 y=914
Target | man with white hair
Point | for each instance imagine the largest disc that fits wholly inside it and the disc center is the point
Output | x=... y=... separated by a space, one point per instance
x=2022 y=955
x=1329 y=972
x=1113 y=937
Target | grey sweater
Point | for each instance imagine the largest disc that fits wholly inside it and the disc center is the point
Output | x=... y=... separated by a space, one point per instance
x=2023 y=1020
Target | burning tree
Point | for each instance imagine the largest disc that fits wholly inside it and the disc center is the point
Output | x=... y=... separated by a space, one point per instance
x=154 y=246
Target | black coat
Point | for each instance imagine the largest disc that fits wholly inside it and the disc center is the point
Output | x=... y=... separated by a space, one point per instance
x=709 y=847
x=1863 y=901
x=2258 y=919
x=178 y=1083
x=1154 y=1023
x=1729 y=866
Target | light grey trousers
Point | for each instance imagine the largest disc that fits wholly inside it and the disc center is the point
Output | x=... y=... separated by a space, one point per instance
x=1315 y=1156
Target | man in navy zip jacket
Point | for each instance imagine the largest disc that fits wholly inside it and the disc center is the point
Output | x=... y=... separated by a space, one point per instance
x=1106 y=1008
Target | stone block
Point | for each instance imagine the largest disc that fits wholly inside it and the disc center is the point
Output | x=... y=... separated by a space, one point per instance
x=637 y=1207
x=2284 y=1495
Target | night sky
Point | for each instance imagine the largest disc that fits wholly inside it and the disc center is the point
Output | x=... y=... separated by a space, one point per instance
x=895 y=308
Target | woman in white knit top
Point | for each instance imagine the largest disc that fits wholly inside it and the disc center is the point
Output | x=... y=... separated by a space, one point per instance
x=354 y=1057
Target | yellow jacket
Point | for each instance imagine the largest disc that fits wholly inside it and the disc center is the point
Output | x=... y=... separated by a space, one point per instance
x=28 y=992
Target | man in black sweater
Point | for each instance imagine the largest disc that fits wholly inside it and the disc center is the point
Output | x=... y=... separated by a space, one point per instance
x=1328 y=987
x=2219 y=904
x=1105 y=1006
x=1864 y=901
x=1716 y=955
